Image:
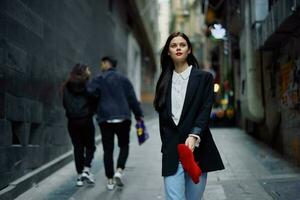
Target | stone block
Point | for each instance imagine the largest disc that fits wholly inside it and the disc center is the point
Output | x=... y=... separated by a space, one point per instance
x=14 y=108
x=2 y=105
x=25 y=16
x=56 y=135
x=15 y=162
x=4 y=165
x=3 y=47
x=48 y=153
x=27 y=110
x=15 y=58
x=21 y=109
x=22 y=36
x=35 y=134
x=16 y=83
x=21 y=130
x=46 y=135
x=2 y=54
x=3 y=81
x=47 y=10
x=5 y=133
x=34 y=5
x=34 y=156
x=56 y=115
x=51 y=35
x=50 y=114
x=3 y=5
x=6 y=178
x=36 y=109
x=3 y=23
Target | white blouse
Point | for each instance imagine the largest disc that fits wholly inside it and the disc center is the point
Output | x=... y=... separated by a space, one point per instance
x=179 y=86
x=178 y=92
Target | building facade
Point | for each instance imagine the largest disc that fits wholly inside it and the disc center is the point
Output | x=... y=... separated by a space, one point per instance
x=276 y=44
x=261 y=53
x=186 y=17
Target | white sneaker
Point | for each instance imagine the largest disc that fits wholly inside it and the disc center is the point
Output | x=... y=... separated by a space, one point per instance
x=79 y=181
x=119 y=177
x=88 y=176
x=110 y=184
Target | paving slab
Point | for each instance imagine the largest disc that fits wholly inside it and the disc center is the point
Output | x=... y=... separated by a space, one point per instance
x=253 y=172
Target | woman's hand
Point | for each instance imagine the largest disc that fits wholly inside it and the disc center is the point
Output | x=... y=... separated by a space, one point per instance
x=190 y=142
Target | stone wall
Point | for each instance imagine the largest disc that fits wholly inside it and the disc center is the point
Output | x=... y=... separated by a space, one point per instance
x=281 y=127
x=39 y=43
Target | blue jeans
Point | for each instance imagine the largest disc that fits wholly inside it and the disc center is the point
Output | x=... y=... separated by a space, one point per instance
x=180 y=186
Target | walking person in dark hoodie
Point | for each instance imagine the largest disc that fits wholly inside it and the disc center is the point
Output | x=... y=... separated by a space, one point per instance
x=116 y=100
x=79 y=108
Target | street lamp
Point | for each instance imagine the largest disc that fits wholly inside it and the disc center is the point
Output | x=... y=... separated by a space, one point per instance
x=218 y=32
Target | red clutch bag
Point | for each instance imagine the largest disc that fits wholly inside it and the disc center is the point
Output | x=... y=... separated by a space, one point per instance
x=189 y=165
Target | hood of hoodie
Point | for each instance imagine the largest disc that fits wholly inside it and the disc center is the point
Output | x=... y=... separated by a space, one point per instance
x=76 y=87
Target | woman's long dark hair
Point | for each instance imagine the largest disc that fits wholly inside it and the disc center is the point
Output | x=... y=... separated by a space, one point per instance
x=78 y=74
x=167 y=67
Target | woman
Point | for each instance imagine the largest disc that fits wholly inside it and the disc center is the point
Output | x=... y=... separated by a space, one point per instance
x=183 y=99
x=79 y=111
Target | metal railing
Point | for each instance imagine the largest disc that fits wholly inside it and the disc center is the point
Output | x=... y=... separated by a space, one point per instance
x=280 y=11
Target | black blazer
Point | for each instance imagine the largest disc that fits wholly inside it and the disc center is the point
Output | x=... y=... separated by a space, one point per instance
x=194 y=119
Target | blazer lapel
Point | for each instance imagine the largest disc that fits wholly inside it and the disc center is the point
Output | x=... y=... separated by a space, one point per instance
x=193 y=83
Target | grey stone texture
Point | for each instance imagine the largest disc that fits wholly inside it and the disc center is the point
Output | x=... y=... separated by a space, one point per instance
x=6 y=132
x=39 y=43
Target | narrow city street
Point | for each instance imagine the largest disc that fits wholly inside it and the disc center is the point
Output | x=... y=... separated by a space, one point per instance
x=233 y=63
x=253 y=172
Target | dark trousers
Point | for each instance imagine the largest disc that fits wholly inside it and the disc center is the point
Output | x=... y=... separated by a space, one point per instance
x=108 y=131
x=82 y=133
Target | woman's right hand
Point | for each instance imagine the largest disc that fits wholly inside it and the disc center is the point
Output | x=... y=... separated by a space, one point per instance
x=190 y=142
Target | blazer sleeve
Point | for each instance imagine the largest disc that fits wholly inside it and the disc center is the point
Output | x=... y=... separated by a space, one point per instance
x=202 y=120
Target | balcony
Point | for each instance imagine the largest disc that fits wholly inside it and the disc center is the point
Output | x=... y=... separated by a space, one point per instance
x=281 y=23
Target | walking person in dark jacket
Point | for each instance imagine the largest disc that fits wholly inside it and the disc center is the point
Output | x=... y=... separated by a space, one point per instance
x=116 y=101
x=79 y=111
